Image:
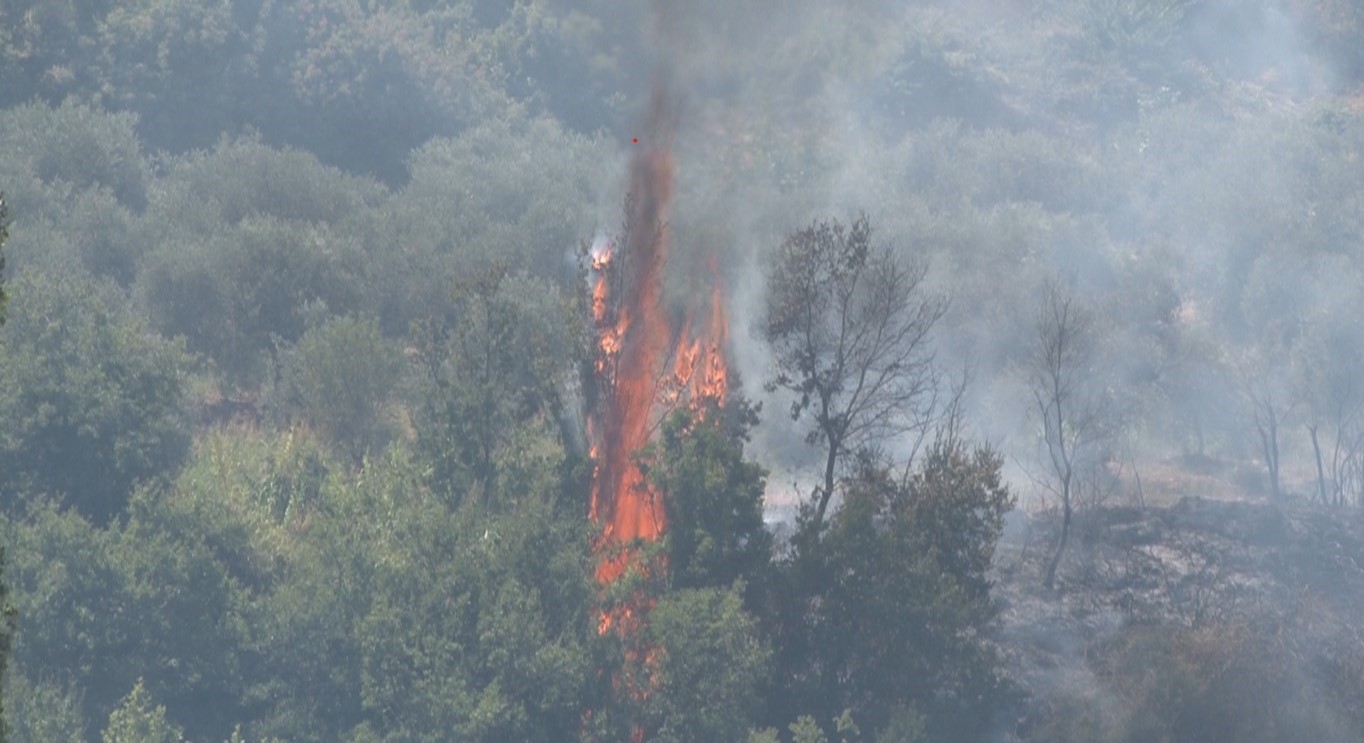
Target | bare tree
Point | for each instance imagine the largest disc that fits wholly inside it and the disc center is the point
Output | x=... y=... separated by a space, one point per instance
x=849 y=325
x=1329 y=371
x=1068 y=402
x=1270 y=401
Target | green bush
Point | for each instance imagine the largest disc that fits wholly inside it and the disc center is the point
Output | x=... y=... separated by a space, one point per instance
x=711 y=669
x=76 y=146
x=137 y=721
x=174 y=63
x=713 y=500
x=520 y=193
x=888 y=607
x=42 y=711
x=204 y=192
x=490 y=404
x=340 y=379
x=237 y=296
x=100 y=608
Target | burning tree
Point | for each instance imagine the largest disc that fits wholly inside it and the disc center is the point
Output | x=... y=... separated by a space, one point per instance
x=643 y=368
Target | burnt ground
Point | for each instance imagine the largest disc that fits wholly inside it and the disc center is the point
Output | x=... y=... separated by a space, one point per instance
x=1196 y=564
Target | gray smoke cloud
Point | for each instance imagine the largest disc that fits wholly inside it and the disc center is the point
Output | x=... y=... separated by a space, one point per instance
x=946 y=123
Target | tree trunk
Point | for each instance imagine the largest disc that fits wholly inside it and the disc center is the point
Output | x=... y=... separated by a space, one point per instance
x=1136 y=474
x=828 y=491
x=1065 y=536
x=1269 y=441
x=1321 y=473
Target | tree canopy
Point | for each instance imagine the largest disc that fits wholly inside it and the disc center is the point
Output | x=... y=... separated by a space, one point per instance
x=293 y=423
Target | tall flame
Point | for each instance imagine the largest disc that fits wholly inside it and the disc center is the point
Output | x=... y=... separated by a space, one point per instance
x=643 y=369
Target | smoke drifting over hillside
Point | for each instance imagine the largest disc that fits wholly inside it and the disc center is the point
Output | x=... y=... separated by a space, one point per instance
x=936 y=120
x=296 y=310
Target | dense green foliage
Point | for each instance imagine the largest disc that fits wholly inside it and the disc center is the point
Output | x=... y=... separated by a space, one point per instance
x=291 y=437
x=713 y=665
x=136 y=721
x=340 y=378
x=92 y=401
x=886 y=611
x=713 y=498
x=489 y=422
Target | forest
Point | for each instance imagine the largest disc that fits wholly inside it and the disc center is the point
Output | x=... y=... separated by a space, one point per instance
x=767 y=371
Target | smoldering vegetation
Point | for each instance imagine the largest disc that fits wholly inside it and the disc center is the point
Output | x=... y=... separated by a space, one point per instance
x=297 y=346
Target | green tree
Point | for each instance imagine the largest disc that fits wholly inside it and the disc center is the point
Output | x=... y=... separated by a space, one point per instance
x=411 y=72
x=52 y=150
x=890 y=608
x=8 y=625
x=237 y=294
x=103 y=607
x=184 y=612
x=493 y=644
x=340 y=379
x=710 y=666
x=175 y=65
x=398 y=618
x=137 y=721
x=4 y=235
x=44 y=49
x=306 y=659
x=42 y=711
x=906 y=726
x=248 y=243
x=205 y=192
x=524 y=189
x=92 y=402
x=59 y=571
x=490 y=418
x=806 y=730
x=713 y=498
x=244 y=494
x=765 y=735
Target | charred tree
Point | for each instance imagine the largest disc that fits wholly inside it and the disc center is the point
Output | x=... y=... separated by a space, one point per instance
x=1067 y=403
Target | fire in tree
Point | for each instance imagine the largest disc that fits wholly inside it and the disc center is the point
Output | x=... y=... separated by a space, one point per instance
x=643 y=366
x=648 y=362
